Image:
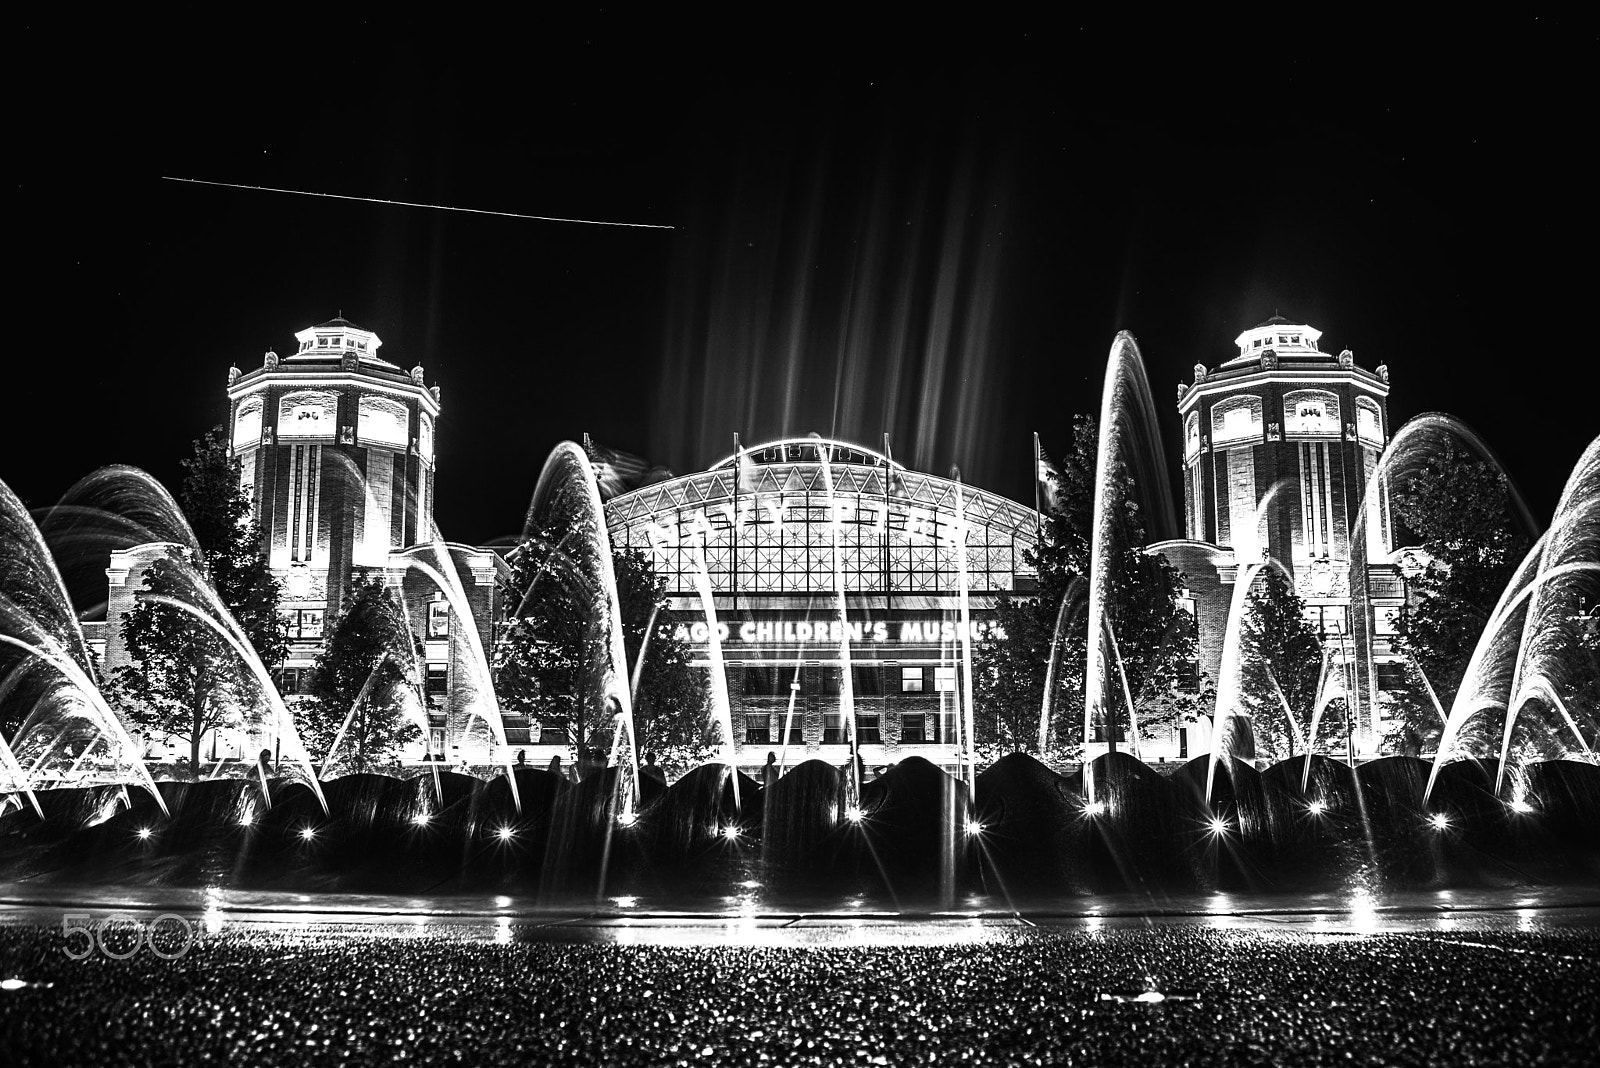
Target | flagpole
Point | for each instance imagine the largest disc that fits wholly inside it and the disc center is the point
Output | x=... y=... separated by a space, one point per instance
x=1038 y=516
x=888 y=475
x=733 y=563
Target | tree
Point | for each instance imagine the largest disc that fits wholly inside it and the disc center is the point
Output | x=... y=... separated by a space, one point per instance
x=185 y=680
x=1459 y=508
x=552 y=656
x=219 y=513
x=1154 y=635
x=365 y=674
x=1280 y=665
x=670 y=710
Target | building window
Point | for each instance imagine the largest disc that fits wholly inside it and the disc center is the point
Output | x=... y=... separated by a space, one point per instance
x=757 y=729
x=913 y=728
x=304 y=624
x=293 y=680
x=438 y=686
x=438 y=619
x=832 y=678
x=766 y=682
x=552 y=732
x=1369 y=424
x=1391 y=674
x=911 y=680
x=868 y=681
x=833 y=728
x=1236 y=419
x=1326 y=620
x=867 y=728
x=381 y=421
x=1311 y=412
x=944 y=679
x=1386 y=620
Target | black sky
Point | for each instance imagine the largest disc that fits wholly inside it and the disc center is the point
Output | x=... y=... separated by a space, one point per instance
x=934 y=233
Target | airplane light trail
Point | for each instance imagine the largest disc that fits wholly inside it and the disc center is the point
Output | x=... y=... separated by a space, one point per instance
x=415 y=204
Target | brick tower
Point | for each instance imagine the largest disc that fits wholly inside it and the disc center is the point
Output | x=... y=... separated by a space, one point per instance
x=335 y=447
x=1285 y=419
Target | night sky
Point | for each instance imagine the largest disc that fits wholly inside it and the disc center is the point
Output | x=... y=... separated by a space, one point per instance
x=934 y=233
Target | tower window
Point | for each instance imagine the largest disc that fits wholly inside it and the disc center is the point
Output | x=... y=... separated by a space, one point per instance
x=438 y=619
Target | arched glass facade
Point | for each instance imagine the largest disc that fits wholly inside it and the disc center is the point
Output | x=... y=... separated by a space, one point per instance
x=763 y=521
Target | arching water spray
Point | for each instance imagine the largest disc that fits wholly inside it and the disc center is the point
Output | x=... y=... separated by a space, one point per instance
x=283 y=721
x=1127 y=693
x=969 y=739
x=486 y=706
x=1229 y=674
x=1472 y=700
x=1288 y=713
x=1129 y=437
x=14 y=779
x=721 y=708
x=105 y=720
x=847 y=690
x=1071 y=602
x=1574 y=532
x=366 y=688
x=568 y=462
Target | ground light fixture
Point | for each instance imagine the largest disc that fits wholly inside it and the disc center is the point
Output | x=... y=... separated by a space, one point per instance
x=1317 y=807
x=1219 y=825
x=308 y=833
x=246 y=820
x=627 y=819
x=1520 y=805
x=1440 y=821
x=144 y=833
x=505 y=834
x=1094 y=808
x=731 y=832
x=853 y=813
x=421 y=819
x=974 y=827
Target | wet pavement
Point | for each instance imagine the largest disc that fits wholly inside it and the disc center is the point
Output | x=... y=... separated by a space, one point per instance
x=1487 y=979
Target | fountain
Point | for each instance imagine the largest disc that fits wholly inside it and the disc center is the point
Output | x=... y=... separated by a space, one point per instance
x=1017 y=833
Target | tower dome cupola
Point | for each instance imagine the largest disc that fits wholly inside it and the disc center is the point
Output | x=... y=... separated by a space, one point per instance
x=1282 y=336
x=335 y=338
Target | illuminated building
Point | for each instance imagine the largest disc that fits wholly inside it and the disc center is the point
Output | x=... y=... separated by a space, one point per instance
x=765 y=524
x=335 y=447
x=1279 y=443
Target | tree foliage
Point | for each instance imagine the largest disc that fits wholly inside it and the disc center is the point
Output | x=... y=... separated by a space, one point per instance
x=1154 y=635
x=1280 y=665
x=1459 y=508
x=553 y=656
x=219 y=513
x=185 y=679
x=366 y=672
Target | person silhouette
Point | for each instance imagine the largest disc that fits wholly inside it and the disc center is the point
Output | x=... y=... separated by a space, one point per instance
x=769 y=774
x=522 y=758
x=652 y=770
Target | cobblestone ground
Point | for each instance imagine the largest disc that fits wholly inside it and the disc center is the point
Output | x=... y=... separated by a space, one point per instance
x=500 y=993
